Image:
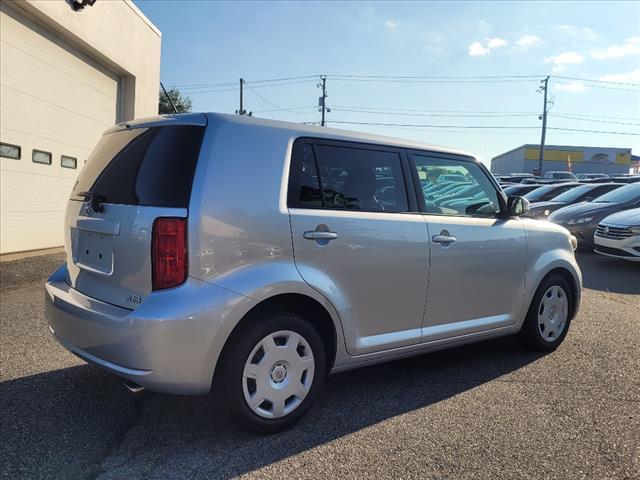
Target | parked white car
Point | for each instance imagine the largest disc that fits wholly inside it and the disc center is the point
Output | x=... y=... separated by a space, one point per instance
x=618 y=235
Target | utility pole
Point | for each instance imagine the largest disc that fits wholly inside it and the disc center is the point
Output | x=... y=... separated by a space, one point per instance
x=322 y=104
x=241 y=111
x=544 y=122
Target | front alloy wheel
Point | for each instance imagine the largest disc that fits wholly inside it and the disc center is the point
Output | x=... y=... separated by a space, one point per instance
x=549 y=315
x=553 y=313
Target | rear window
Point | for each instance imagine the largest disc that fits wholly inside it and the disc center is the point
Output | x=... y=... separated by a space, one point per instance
x=343 y=176
x=143 y=166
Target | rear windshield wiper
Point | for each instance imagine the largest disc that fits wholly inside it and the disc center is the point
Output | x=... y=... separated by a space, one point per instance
x=95 y=199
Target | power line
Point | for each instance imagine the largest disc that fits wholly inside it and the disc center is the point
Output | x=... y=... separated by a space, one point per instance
x=396 y=109
x=419 y=114
x=573 y=117
x=499 y=127
x=606 y=87
x=593 y=131
x=489 y=127
x=435 y=77
x=419 y=81
x=188 y=85
x=596 y=80
x=269 y=101
x=597 y=116
x=472 y=78
x=221 y=89
x=310 y=107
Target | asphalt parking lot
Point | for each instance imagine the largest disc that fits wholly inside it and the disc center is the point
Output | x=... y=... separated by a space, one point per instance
x=489 y=410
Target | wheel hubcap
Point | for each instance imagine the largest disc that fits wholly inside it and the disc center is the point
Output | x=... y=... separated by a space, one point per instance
x=553 y=313
x=278 y=374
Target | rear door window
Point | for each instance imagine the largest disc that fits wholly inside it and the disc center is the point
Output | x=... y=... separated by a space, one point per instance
x=143 y=166
x=347 y=177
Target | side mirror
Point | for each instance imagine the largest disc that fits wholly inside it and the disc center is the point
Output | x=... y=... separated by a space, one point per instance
x=517 y=206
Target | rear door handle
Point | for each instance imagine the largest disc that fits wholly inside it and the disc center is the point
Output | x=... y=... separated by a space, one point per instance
x=444 y=239
x=319 y=235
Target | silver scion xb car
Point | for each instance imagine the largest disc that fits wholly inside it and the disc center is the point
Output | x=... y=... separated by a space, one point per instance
x=257 y=257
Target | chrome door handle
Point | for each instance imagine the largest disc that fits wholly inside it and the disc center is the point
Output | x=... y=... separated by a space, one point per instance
x=444 y=239
x=319 y=235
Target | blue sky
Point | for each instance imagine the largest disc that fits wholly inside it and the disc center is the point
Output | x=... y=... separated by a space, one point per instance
x=219 y=42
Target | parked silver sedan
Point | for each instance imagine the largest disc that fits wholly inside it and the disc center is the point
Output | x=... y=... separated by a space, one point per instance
x=258 y=256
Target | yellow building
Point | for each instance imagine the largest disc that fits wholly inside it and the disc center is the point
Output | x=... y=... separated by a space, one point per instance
x=524 y=159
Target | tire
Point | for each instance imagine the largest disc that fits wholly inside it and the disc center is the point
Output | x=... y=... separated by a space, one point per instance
x=277 y=356
x=549 y=316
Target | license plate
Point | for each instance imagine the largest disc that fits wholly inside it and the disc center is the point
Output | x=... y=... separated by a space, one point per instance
x=92 y=251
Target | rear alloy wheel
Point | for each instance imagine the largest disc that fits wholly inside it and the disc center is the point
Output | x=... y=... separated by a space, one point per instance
x=549 y=315
x=272 y=371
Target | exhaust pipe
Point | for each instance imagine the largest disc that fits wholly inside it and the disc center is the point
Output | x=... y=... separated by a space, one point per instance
x=133 y=387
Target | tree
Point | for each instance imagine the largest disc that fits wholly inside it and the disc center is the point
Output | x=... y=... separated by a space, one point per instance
x=182 y=102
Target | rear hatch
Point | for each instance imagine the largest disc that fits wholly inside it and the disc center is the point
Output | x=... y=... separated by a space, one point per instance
x=136 y=174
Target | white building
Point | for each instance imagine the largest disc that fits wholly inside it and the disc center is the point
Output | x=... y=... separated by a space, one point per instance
x=66 y=74
x=524 y=159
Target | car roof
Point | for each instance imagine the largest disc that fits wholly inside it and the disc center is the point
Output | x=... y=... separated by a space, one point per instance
x=332 y=133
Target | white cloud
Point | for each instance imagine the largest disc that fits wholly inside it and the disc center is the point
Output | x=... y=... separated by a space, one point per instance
x=390 y=24
x=633 y=76
x=496 y=42
x=562 y=59
x=528 y=41
x=585 y=32
x=630 y=47
x=476 y=49
x=574 y=87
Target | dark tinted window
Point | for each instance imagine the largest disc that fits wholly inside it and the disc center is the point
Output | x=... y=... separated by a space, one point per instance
x=628 y=193
x=143 y=166
x=349 y=178
x=361 y=179
x=309 y=196
x=547 y=192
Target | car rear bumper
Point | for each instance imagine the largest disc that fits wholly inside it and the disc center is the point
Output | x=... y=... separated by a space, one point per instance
x=170 y=343
x=627 y=249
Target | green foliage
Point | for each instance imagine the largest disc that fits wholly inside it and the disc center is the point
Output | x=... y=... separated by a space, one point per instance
x=182 y=102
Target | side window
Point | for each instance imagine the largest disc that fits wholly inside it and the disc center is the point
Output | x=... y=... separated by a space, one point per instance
x=304 y=184
x=346 y=178
x=452 y=187
x=355 y=178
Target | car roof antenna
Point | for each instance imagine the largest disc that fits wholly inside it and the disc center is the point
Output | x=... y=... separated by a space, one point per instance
x=175 y=110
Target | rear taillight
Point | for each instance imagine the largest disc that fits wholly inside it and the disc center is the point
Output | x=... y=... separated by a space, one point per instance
x=169 y=252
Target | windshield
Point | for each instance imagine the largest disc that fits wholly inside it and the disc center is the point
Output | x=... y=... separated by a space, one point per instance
x=519 y=190
x=540 y=193
x=564 y=175
x=621 y=195
x=573 y=194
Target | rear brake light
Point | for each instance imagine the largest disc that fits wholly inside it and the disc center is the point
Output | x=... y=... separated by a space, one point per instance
x=169 y=252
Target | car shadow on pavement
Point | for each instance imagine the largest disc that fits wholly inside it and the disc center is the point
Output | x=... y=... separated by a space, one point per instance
x=609 y=274
x=82 y=417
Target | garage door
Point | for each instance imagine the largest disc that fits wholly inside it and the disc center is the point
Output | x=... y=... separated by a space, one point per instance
x=56 y=102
